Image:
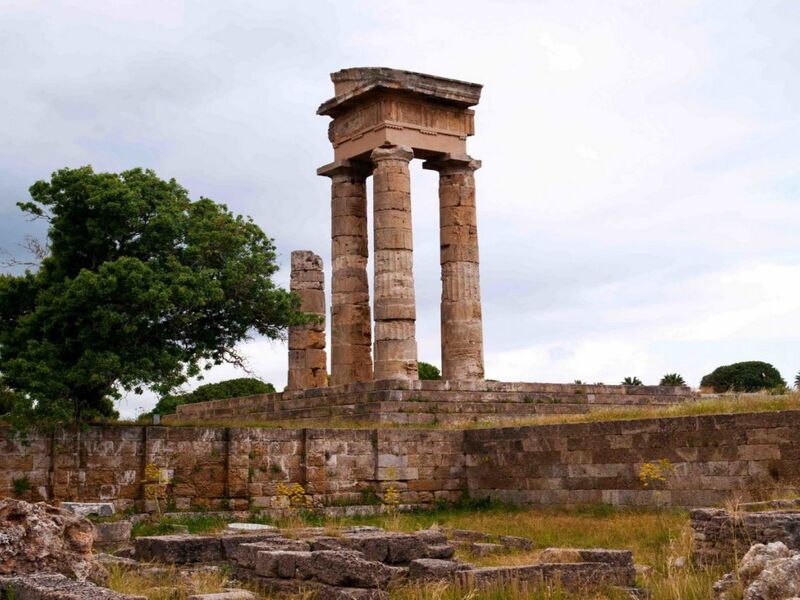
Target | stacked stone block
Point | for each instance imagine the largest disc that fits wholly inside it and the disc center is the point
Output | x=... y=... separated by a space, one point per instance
x=307 y=357
x=395 y=308
x=461 y=318
x=351 y=323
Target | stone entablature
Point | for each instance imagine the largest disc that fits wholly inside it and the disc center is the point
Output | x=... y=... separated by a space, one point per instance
x=376 y=106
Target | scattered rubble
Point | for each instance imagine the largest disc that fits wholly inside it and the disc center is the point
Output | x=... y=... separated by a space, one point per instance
x=766 y=572
x=38 y=538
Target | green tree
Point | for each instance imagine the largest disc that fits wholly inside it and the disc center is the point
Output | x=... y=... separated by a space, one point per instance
x=672 y=379
x=7 y=398
x=428 y=371
x=142 y=287
x=797 y=381
x=748 y=376
x=231 y=388
x=631 y=381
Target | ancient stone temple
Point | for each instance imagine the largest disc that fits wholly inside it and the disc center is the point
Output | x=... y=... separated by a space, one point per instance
x=382 y=119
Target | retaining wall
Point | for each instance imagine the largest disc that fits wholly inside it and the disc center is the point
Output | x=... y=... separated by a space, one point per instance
x=712 y=458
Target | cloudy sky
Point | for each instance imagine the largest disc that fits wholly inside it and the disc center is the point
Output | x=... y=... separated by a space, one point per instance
x=639 y=201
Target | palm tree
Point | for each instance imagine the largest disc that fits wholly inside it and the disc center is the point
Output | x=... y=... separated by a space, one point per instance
x=631 y=381
x=672 y=379
x=797 y=380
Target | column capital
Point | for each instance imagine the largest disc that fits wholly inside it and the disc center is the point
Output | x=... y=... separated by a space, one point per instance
x=452 y=162
x=392 y=152
x=345 y=168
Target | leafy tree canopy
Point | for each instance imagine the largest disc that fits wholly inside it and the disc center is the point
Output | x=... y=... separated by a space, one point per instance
x=748 y=376
x=428 y=371
x=231 y=388
x=142 y=286
x=631 y=381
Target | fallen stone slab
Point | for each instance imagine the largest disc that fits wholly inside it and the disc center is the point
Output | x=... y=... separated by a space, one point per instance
x=84 y=509
x=514 y=542
x=621 y=558
x=230 y=542
x=245 y=554
x=570 y=576
x=111 y=534
x=430 y=569
x=440 y=551
x=54 y=586
x=233 y=594
x=467 y=535
x=251 y=527
x=280 y=563
x=179 y=549
x=343 y=569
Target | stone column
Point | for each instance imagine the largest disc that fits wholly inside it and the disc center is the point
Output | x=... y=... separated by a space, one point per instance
x=351 y=322
x=395 y=309
x=462 y=325
x=307 y=358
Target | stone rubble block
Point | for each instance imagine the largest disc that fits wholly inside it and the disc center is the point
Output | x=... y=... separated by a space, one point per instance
x=245 y=554
x=179 y=549
x=280 y=563
x=53 y=586
x=109 y=534
x=250 y=527
x=430 y=569
x=344 y=569
x=230 y=543
x=84 y=509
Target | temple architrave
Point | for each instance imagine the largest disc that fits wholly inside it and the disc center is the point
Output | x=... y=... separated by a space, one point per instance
x=381 y=120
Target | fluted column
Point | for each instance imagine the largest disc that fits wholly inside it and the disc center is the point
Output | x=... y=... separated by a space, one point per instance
x=395 y=309
x=351 y=324
x=462 y=323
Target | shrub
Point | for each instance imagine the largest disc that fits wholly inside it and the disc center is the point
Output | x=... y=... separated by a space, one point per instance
x=21 y=486
x=631 y=381
x=672 y=379
x=748 y=376
x=231 y=388
x=428 y=371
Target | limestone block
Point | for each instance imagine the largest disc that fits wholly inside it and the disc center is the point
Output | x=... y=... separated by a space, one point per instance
x=307 y=356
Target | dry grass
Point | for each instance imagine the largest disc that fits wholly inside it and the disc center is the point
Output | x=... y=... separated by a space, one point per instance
x=657 y=539
x=165 y=583
x=723 y=404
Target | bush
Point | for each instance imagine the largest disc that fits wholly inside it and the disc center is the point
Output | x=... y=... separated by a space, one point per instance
x=631 y=381
x=428 y=371
x=231 y=388
x=748 y=376
x=672 y=379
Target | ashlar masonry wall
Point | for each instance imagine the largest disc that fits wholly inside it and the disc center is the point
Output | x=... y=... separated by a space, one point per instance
x=712 y=458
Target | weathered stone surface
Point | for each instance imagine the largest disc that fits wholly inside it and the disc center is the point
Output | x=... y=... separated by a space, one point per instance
x=757 y=558
x=395 y=310
x=246 y=554
x=432 y=568
x=179 y=549
x=281 y=563
x=84 y=509
x=461 y=316
x=109 y=534
x=231 y=543
x=344 y=569
x=484 y=548
x=513 y=542
x=36 y=538
x=52 y=586
x=307 y=357
x=351 y=324
x=779 y=580
x=248 y=527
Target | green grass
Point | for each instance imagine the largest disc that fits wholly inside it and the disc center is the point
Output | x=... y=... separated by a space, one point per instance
x=189 y=524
